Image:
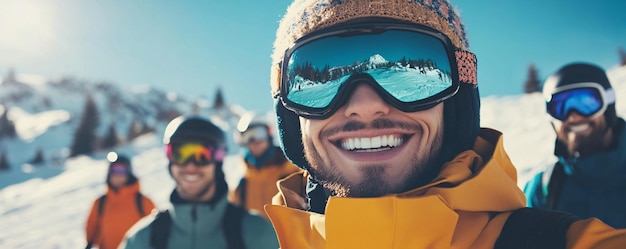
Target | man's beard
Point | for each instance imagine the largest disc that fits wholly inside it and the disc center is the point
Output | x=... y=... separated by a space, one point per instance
x=588 y=144
x=199 y=195
x=372 y=179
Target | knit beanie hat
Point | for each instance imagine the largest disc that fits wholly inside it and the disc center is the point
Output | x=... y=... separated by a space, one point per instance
x=461 y=112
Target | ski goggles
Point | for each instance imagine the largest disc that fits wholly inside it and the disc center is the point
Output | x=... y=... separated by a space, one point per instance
x=200 y=154
x=410 y=66
x=118 y=168
x=256 y=133
x=587 y=99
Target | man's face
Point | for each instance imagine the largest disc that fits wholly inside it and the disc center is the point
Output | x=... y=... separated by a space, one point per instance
x=581 y=134
x=193 y=182
x=368 y=148
x=118 y=180
x=258 y=147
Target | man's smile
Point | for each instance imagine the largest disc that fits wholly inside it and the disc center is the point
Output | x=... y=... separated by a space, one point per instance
x=372 y=144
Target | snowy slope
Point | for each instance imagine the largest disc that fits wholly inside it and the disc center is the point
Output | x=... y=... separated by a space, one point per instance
x=47 y=113
x=50 y=212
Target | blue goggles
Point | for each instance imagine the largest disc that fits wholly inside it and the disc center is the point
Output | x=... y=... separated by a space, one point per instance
x=410 y=66
x=588 y=99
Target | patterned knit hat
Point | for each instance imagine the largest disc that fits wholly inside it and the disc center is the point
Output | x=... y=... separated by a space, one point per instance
x=461 y=112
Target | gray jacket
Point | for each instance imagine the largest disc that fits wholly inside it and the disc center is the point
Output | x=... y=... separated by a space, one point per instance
x=197 y=225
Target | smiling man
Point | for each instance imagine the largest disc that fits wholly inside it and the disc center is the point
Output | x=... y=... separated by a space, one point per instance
x=378 y=102
x=201 y=216
x=589 y=178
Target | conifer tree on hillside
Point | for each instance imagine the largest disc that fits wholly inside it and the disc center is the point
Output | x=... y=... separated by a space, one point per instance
x=622 y=56
x=532 y=82
x=85 y=135
x=4 y=162
x=46 y=102
x=219 y=99
x=110 y=139
x=39 y=158
x=7 y=127
x=167 y=114
x=10 y=77
x=136 y=129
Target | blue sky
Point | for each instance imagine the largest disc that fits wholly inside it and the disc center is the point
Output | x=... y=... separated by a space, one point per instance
x=194 y=47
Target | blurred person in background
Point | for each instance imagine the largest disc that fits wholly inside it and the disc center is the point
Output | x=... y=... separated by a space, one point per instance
x=115 y=212
x=264 y=164
x=589 y=177
x=200 y=215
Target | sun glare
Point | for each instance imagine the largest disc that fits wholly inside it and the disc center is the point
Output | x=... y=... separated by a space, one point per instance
x=26 y=26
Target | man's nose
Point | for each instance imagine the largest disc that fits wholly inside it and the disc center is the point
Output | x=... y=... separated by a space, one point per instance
x=365 y=103
x=190 y=162
x=574 y=116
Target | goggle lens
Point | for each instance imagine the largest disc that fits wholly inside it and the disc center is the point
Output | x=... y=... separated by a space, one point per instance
x=257 y=133
x=198 y=153
x=118 y=169
x=411 y=67
x=585 y=101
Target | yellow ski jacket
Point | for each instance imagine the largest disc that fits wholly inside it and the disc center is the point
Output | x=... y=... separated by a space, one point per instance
x=466 y=206
x=258 y=185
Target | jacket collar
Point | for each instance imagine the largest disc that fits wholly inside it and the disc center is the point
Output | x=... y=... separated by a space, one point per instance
x=465 y=184
x=194 y=217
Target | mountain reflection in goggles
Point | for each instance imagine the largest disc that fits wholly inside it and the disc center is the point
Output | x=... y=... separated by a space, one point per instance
x=409 y=68
x=586 y=99
x=201 y=155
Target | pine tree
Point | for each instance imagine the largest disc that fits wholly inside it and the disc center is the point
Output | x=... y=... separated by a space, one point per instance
x=39 y=158
x=7 y=127
x=219 y=99
x=136 y=129
x=85 y=135
x=4 y=162
x=10 y=77
x=532 y=82
x=622 y=56
x=110 y=139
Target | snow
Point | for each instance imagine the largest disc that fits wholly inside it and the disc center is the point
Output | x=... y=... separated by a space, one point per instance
x=376 y=59
x=46 y=206
x=29 y=126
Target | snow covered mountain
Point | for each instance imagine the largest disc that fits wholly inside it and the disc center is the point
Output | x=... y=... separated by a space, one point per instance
x=49 y=210
x=46 y=115
x=375 y=60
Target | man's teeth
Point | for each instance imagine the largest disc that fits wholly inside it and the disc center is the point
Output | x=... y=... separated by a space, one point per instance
x=191 y=178
x=372 y=142
x=579 y=128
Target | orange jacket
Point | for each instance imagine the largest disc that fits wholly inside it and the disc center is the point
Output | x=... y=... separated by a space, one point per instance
x=118 y=215
x=466 y=206
x=260 y=183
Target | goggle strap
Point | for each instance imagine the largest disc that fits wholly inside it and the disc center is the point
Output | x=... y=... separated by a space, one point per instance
x=609 y=94
x=466 y=63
